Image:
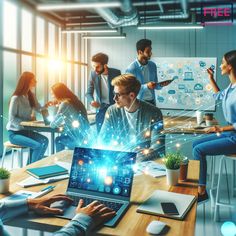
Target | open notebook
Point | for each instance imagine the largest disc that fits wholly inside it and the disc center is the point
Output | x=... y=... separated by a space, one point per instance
x=152 y=205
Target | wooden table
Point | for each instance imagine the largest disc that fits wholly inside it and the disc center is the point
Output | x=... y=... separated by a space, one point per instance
x=182 y=125
x=132 y=223
x=39 y=126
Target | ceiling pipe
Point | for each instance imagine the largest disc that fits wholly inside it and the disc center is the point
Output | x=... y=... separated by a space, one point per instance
x=128 y=17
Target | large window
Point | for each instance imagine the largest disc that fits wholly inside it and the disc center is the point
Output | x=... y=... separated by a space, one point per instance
x=9 y=24
x=26 y=30
x=33 y=43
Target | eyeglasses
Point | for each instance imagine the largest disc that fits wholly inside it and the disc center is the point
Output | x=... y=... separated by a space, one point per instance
x=119 y=94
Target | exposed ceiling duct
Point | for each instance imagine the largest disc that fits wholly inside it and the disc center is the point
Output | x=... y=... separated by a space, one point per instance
x=128 y=17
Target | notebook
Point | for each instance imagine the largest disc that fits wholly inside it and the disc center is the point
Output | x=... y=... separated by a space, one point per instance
x=152 y=205
x=47 y=171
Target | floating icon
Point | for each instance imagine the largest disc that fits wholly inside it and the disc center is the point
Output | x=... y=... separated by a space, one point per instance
x=198 y=87
x=188 y=76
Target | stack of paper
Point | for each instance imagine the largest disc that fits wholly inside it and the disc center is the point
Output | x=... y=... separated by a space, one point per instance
x=150 y=168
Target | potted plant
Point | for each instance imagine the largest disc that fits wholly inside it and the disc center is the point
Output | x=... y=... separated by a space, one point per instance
x=172 y=162
x=4 y=180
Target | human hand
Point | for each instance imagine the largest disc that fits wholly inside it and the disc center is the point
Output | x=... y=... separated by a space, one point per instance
x=151 y=85
x=42 y=205
x=214 y=129
x=165 y=83
x=97 y=211
x=95 y=104
x=210 y=73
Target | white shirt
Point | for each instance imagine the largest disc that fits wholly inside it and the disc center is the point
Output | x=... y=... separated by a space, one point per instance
x=132 y=118
x=104 y=89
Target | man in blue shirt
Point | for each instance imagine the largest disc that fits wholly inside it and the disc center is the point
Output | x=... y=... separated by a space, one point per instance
x=100 y=83
x=86 y=218
x=146 y=71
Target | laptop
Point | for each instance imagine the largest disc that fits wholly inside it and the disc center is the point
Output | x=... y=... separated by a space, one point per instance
x=45 y=116
x=102 y=175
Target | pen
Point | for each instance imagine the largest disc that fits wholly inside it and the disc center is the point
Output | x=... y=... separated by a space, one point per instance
x=44 y=191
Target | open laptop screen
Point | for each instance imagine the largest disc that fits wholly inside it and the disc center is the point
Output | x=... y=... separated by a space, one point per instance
x=104 y=171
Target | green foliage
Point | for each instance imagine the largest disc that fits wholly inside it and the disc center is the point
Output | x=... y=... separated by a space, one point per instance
x=173 y=160
x=4 y=174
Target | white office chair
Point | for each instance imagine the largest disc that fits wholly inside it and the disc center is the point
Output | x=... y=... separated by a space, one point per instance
x=218 y=203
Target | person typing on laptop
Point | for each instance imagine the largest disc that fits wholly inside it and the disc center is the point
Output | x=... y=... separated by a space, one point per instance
x=86 y=218
x=132 y=124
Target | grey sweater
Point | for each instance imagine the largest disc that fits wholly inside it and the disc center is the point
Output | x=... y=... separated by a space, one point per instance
x=20 y=110
x=149 y=123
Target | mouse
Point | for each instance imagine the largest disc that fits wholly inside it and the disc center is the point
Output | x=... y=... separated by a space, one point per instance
x=61 y=204
x=155 y=227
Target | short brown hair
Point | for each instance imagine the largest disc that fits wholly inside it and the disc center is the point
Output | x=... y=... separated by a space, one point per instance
x=100 y=58
x=129 y=81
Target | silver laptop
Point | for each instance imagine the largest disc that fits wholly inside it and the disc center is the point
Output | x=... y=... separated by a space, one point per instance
x=45 y=116
x=102 y=175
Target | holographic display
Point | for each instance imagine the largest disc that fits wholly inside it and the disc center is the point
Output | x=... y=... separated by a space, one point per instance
x=104 y=171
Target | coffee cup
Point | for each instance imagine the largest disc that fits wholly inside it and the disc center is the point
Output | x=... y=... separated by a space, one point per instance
x=183 y=169
x=199 y=116
x=209 y=119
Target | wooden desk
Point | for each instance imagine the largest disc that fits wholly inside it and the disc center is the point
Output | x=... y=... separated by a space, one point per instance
x=182 y=125
x=132 y=223
x=39 y=126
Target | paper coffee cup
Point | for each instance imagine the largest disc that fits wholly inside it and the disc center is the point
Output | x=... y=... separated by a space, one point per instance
x=199 y=116
x=209 y=119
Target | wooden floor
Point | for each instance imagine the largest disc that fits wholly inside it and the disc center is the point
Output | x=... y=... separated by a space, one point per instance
x=204 y=224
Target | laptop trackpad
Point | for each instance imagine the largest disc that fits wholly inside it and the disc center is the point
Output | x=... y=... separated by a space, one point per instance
x=69 y=213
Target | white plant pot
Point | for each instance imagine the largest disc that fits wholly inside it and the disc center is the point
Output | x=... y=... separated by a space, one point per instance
x=172 y=176
x=4 y=185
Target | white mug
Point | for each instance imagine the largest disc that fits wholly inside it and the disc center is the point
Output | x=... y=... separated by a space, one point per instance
x=199 y=116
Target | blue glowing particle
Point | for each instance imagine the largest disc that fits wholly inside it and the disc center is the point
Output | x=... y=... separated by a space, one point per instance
x=198 y=87
x=228 y=229
x=202 y=63
x=116 y=190
x=171 y=91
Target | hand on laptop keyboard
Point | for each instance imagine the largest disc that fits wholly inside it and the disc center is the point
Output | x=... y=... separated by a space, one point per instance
x=97 y=211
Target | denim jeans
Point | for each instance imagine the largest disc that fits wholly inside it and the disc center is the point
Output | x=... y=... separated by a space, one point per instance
x=223 y=144
x=36 y=142
x=63 y=141
x=100 y=117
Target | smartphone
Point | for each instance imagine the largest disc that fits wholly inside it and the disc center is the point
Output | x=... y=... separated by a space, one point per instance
x=169 y=208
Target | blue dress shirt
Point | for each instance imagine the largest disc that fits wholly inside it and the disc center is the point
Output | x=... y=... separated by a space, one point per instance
x=228 y=97
x=136 y=68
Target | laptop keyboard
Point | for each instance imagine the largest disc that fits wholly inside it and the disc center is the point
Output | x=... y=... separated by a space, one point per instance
x=113 y=205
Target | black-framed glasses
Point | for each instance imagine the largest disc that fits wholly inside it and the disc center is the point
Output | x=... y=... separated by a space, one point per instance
x=117 y=95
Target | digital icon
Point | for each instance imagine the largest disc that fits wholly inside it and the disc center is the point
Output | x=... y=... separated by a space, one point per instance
x=198 y=87
x=116 y=190
x=188 y=76
x=171 y=91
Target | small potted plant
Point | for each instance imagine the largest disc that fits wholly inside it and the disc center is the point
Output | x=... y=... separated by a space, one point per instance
x=172 y=162
x=4 y=180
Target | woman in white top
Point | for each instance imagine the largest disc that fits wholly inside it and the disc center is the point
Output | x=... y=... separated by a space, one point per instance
x=22 y=105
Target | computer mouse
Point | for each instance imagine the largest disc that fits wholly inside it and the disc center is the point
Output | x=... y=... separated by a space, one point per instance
x=155 y=227
x=61 y=204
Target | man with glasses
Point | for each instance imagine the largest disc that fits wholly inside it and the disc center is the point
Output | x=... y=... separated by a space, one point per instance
x=146 y=71
x=100 y=82
x=131 y=124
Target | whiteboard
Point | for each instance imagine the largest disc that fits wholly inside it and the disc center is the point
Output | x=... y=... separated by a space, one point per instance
x=190 y=89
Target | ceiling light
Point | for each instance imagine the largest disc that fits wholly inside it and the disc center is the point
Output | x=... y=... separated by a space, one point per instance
x=71 y=6
x=89 y=31
x=169 y=26
x=122 y=36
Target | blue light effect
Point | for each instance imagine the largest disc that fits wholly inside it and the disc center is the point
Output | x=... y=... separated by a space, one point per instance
x=228 y=229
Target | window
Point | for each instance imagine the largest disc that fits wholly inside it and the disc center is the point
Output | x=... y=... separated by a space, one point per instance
x=40 y=45
x=26 y=31
x=9 y=24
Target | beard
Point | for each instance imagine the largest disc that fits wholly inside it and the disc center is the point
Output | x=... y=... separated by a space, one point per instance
x=101 y=71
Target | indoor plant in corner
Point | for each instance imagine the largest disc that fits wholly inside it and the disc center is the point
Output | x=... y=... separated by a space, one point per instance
x=4 y=180
x=172 y=162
